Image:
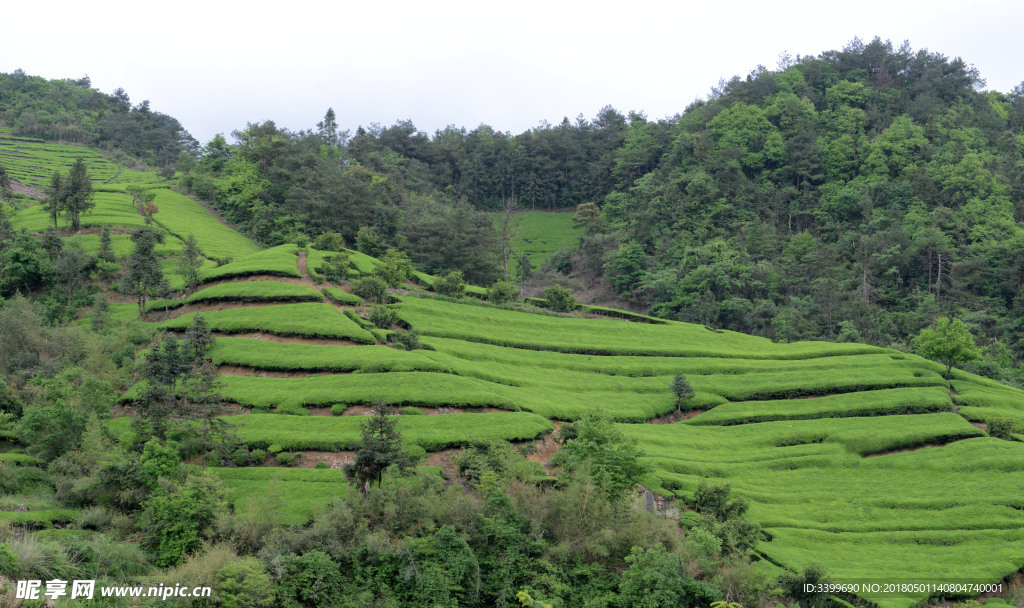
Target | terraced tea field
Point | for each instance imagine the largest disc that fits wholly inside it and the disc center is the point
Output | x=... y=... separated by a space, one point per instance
x=863 y=459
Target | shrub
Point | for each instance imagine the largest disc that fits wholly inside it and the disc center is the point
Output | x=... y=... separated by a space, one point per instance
x=8 y=562
x=370 y=242
x=240 y=457
x=285 y=459
x=560 y=298
x=383 y=317
x=258 y=456
x=336 y=268
x=502 y=292
x=1003 y=428
x=329 y=241
x=373 y=289
x=394 y=269
x=408 y=340
x=322 y=464
x=451 y=284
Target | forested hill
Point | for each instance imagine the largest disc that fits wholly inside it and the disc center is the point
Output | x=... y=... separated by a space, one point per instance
x=854 y=195
x=70 y=111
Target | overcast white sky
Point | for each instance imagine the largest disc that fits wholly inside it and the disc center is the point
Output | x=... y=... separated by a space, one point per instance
x=509 y=64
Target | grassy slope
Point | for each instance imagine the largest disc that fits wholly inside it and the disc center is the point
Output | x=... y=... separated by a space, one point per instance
x=541 y=233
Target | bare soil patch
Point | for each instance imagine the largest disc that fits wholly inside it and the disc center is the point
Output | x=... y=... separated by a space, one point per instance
x=21 y=188
x=675 y=417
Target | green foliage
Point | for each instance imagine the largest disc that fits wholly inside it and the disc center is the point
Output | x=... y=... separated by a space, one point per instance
x=307 y=320
x=380 y=447
x=502 y=292
x=311 y=580
x=795 y=586
x=612 y=459
x=368 y=241
x=657 y=579
x=245 y=584
x=560 y=299
x=383 y=317
x=175 y=523
x=452 y=284
x=394 y=268
x=329 y=241
x=949 y=342
x=372 y=288
x=190 y=263
x=337 y=268
x=144 y=280
x=1003 y=428
x=407 y=340
x=681 y=389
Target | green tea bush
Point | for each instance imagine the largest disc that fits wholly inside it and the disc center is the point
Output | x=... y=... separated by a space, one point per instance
x=502 y=292
x=1003 y=428
x=452 y=284
x=560 y=298
x=373 y=289
x=285 y=459
x=383 y=317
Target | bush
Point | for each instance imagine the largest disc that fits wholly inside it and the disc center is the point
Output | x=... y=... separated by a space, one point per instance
x=383 y=317
x=336 y=268
x=322 y=464
x=560 y=298
x=285 y=459
x=258 y=456
x=8 y=562
x=240 y=457
x=502 y=292
x=394 y=269
x=329 y=241
x=1002 y=428
x=451 y=284
x=373 y=289
x=370 y=242
x=408 y=340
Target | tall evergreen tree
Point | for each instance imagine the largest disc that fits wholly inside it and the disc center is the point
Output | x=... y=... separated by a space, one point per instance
x=190 y=262
x=144 y=279
x=379 y=448
x=80 y=194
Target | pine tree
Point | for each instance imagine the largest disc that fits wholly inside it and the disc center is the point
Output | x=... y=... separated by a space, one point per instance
x=106 y=251
x=189 y=263
x=100 y=312
x=55 y=195
x=379 y=448
x=79 y=194
x=681 y=389
x=144 y=279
